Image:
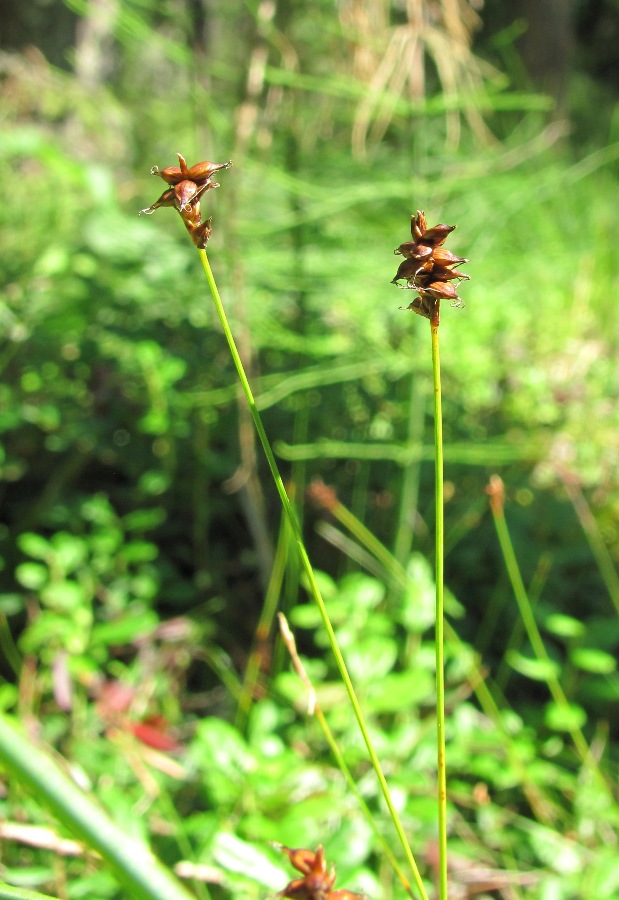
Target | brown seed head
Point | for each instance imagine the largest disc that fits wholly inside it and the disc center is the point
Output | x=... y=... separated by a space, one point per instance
x=187 y=186
x=322 y=494
x=428 y=268
x=496 y=491
x=317 y=882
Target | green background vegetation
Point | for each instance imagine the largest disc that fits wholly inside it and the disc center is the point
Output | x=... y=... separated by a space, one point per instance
x=139 y=531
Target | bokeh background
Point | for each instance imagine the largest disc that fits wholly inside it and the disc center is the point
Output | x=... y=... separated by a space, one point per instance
x=139 y=530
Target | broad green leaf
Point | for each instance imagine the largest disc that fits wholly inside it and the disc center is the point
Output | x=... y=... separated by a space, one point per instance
x=369 y=659
x=418 y=602
x=31 y=575
x=564 y=718
x=564 y=626
x=53 y=630
x=361 y=591
x=562 y=855
x=144 y=519
x=236 y=855
x=589 y=659
x=34 y=545
x=64 y=596
x=11 y=604
x=125 y=629
x=400 y=691
x=69 y=550
x=604 y=874
x=224 y=759
x=139 y=551
x=536 y=669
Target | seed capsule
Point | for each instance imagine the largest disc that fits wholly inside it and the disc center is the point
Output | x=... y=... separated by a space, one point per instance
x=413 y=250
x=440 y=290
x=166 y=199
x=418 y=224
x=437 y=235
x=407 y=269
x=185 y=192
x=202 y=171
x=171 y=174
x=444 y=257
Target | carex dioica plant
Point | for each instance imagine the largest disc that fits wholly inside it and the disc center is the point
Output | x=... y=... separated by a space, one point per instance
x=429 y=269
x=187 y=186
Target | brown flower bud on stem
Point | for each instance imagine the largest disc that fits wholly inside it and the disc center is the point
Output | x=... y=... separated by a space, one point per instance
x=429 y=268
x=495 y=490
x=187 y=184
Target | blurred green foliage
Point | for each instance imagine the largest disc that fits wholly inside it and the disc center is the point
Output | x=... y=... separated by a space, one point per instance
x=134 y=533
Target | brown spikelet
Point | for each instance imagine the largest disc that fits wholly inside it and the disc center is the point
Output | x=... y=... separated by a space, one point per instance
x=187 y=185
x=429 y=268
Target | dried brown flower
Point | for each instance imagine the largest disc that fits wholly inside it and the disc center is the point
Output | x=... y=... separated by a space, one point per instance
x=188 y=184
x=322 y=494
x=429 y=268
x=317 y=882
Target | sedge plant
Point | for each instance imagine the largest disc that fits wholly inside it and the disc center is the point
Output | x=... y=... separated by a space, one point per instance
x=429 y=269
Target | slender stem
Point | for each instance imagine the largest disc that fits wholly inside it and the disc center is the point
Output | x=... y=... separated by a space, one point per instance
x=533 y=633
x=439 y=635
x=540 y=804
x=314 y=709
x=8 y=892
x=252 y=670
x=593 y=535
x=410 y=485
x=309 y=572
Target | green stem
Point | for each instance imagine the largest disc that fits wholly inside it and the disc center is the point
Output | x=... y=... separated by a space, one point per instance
x=290 y=644
x=533 y=633
x=594 y=537
x=476 y=676
x=8 y=892
x=439 y=637
x=309 y=572
x=410 y=484
x=142 y=875
x=252 y=670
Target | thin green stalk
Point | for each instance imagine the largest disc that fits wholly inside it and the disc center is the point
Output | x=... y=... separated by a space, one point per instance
x=315 y=710
x=142 y=875
x=540 y=804
x=309 y=572
x=440 y=614
x=594 y=537
x=410 y=484
x=363 y=534
x=528 y=618
x=252 y=670
x=8 y=892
